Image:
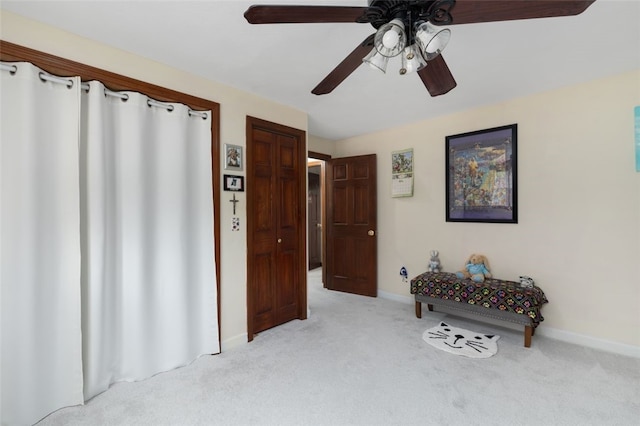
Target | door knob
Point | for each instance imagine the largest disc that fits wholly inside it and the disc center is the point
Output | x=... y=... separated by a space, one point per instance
x=279 y=240
x=371 y=232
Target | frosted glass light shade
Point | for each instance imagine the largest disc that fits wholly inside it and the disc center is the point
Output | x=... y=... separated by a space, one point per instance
x=375 y=60
x=390 y=38
x=412 y=60
x=431 y=39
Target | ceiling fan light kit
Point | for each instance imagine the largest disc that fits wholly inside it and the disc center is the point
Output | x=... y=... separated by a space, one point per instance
x=391 y=38
x=376 y=60
x=431 y=39
x=412 y=60
x=412 y=28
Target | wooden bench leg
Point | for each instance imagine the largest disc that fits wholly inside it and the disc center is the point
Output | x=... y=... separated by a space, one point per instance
x=418 y=309
x=528 y=332
x=430 y=307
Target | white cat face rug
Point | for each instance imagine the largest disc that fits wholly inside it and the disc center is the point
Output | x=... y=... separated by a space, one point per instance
x=461 y=342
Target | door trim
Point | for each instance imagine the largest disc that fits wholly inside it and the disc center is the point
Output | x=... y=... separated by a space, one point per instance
x=253 y=123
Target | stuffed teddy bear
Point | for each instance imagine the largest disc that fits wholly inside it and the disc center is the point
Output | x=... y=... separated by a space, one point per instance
x=477 y=268
x=434 y=262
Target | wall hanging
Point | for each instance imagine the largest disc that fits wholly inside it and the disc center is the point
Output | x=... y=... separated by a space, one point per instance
x=402 y=173
x=481 y=176
x=233 y=159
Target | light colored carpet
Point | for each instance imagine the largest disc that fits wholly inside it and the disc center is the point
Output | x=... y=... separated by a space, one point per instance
x=361 y=361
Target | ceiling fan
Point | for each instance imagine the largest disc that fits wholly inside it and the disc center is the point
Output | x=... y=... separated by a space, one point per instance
x=410 y=28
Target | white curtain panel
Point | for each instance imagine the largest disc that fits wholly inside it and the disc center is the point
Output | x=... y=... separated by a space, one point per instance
x=40 y=335
x=107 y=245
x=148 y=272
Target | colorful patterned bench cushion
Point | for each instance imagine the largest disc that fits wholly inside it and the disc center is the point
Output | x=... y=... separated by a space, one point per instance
x=507 y=296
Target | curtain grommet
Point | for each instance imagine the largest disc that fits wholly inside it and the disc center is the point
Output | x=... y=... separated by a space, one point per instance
x=200 y=114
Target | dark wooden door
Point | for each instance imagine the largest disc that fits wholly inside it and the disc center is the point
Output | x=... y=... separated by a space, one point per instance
x=314 y=213
x=351 y=221
x=276 y=225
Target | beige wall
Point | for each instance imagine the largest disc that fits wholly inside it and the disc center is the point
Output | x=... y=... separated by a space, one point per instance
x=579 y=222
x=235 y=105
x=578 y=233
x=321 y=145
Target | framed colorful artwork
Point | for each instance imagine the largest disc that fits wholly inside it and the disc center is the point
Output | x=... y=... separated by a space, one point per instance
x=482 y=176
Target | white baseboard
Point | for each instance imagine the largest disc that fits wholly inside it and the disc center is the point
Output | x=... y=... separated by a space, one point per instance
x=396 y=297
x=234 y=342
x=589 y=341
x=551 y=333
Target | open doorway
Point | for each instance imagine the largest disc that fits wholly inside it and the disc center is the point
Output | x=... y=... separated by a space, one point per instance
x=316 y=212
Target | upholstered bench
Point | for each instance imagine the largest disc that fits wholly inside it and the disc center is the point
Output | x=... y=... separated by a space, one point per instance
x=493 y=298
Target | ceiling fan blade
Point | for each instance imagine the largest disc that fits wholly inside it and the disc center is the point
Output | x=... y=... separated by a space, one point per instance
x=474 y=11
x=344 y=68
x=436 y=77
x=266 y=14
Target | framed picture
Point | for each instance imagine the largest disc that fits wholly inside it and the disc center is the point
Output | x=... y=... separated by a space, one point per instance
x=233 y=159
x=482 y=176
x=402 y=173
x=234 y=183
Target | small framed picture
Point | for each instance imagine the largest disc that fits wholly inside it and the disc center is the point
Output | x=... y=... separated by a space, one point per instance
x=234 y=183
x=402 y=173
x=233 y=159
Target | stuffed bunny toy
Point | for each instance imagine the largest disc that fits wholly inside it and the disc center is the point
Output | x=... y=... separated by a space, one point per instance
x=434 y=262
x=476 y=268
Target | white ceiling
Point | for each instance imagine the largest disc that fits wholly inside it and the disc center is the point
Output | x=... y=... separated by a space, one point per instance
x=491 y=62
